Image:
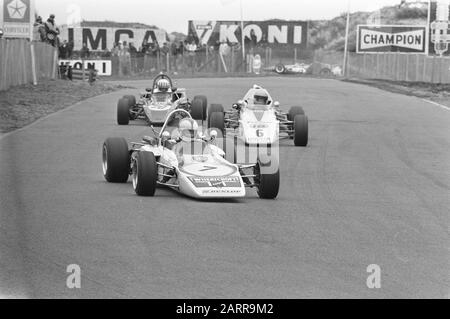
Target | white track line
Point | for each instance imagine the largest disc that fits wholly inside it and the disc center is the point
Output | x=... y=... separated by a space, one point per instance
x=437 y=104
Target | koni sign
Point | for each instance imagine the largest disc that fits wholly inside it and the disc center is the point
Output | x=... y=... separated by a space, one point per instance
x=272 y=33
x=389 y=38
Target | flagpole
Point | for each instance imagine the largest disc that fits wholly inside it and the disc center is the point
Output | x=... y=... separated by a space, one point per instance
x=346 y=40
x=242 y=31
x=428 y=36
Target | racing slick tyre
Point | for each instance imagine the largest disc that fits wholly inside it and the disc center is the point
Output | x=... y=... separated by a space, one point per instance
x=199 y=108
x=280 y=68
x=301 y=130
x=294 y=111
x=213 y=108
x=123 y=112
x=217 y=121
x=145 y=174
x=325 y=72
x=116 y=160
x=131 y=100
x=268 y=178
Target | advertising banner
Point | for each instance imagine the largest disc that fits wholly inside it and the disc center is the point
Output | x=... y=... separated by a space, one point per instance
x=440 y=27
x=16 y=18
x=271 y=33
x=101 y=39
x=391 y=38
x=103 y=67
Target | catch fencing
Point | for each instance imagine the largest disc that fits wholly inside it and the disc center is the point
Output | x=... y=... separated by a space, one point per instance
x=16 y=62
x=400 y=67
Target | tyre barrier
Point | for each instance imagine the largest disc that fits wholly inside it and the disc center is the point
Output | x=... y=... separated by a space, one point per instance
x=75 y=74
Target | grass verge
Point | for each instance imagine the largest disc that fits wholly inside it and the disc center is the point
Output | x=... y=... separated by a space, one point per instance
x=22 y=105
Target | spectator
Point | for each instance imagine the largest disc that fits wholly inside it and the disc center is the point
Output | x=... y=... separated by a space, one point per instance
x=133 y=56
x=251 y=42
x=70 y=46
x=124 y=59
x=39 y=33
x=85 y=53
x=191 y=49
x=173 y=55
x=64 y=50
x=115 y=50
x=165 y=51
x=52 y=31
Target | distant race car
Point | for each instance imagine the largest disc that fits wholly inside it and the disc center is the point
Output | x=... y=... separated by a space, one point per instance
x=194 y=167
x=258 y=120
x=297 y=68
x=157 y=102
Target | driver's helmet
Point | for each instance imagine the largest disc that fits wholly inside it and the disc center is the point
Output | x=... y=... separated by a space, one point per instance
x=260 y=97
x=163 y=85
x=188 y=129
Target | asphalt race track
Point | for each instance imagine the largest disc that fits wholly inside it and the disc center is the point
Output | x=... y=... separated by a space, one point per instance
x=371 y=188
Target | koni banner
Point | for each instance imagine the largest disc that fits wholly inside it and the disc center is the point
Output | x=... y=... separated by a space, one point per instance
x=392 y=38
x=17 y=18
x=271 y=33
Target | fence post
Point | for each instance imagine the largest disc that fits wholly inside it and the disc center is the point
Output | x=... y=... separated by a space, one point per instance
x=407 y=68
x=432 y=69
x=416 y=76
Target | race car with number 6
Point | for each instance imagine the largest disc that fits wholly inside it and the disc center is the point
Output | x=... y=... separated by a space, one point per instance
x=258 y=120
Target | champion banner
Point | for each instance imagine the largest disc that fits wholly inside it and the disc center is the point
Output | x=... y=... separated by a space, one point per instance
x=406 y=39
x=440 y=27
x=271 y=33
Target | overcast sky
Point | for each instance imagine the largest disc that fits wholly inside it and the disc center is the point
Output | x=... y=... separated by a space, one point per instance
x=173 y=15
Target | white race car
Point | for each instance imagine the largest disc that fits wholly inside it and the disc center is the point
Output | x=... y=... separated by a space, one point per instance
x=258 y=120
x=196 y=168
x=157 y=102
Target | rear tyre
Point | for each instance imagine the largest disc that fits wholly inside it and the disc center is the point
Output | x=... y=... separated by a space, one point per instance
x=268 y=175
x=145 y=174
x=301 y=131
x=217 y=121
x=199 y=108
x=294 y=111
x=123 y=112
x=213 y=108
x=116 y=160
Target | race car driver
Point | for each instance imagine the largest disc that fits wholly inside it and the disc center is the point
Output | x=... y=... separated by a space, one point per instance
x=188 y=142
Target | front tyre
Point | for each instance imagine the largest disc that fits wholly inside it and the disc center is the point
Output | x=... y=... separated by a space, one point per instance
x=199 y=108
x=217 y=122
x=116 y=160
x=294 y=111
x=145 y=174
x=268 y=179
x=301 y=131
x=213 y=108
x=123 y=112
